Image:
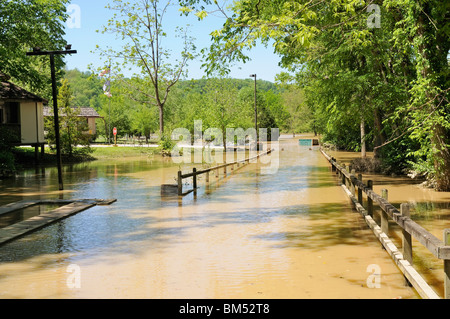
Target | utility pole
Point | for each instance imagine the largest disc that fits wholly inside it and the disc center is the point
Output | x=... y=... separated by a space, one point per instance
x=37 y=51
x=256 y=114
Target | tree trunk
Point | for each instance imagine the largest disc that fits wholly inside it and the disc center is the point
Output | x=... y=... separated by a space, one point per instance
x=161 y=119
x=441 y=158
x=363 y=138
x=378 y=135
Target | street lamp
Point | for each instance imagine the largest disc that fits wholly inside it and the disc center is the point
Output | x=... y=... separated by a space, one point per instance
x=68 y=50
x=256 y=114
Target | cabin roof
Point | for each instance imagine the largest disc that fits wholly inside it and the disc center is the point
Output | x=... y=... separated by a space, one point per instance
x=10 y=91
x=84 y=112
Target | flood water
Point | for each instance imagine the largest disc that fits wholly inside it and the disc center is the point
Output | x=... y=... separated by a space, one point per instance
x=288 y=234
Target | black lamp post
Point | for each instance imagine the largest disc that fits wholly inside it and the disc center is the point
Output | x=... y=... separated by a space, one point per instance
x=256 y=114
x=68 y=50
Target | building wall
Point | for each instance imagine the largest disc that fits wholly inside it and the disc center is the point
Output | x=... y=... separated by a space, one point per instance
x=92 y=127
x=32 y=122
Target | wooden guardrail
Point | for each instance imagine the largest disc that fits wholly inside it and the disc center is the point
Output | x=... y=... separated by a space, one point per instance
x=410 y=229
x=217 y=168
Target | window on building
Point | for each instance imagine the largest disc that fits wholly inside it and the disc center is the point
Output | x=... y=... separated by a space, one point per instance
x=11 y=113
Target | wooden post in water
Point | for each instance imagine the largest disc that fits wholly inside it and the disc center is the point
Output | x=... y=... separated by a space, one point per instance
x=349 y=181
x=194 y=178
x=207 y=177
x=338 y=172
x=352 y=185
x=447 y=266
x=360 y=197
x=384 y=216
x=369 y=200
x=406 y=239
x=343 y=175
x=180 y=184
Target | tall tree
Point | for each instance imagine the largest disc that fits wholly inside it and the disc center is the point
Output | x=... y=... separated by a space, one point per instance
x=73 y=128
x=425 y=29
x=391 y=75
x=26 y=24
x=139 y=24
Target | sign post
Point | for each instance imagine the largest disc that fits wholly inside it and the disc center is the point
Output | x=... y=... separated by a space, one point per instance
x=115 y=135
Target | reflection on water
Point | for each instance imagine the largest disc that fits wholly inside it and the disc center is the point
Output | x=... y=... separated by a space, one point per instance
x=19 y=215
x=291 y=234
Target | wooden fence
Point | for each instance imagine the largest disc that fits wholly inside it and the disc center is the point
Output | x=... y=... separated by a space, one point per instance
x=215 y=169
x=354 y=187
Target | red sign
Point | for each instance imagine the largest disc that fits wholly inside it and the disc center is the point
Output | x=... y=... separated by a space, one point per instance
x=114 y=131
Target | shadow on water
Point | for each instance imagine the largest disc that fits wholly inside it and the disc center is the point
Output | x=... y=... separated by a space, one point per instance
x=97 y=230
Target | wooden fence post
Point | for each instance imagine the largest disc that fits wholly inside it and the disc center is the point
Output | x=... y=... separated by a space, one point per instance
x=406 y=239
x=338 y=172
x=447 y=266
x=343 y=175
x=384 y=216
x=369 y=200
x=360 y=196
x=194 y=178
x=207 y=177
x=217 y=173
x=180 y=183
x=352 y=185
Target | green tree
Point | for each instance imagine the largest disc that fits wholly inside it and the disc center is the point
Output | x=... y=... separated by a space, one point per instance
x=384 y=86
x=140 y=25
x=86 y=87
x=73 y=128
x=144 y=121
x=26 y=24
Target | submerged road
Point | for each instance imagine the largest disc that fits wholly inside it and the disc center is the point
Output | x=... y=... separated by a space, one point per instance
x=289 y=234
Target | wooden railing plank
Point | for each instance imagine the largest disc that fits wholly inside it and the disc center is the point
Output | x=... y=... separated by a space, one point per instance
x=195 y=172
x=440 y=249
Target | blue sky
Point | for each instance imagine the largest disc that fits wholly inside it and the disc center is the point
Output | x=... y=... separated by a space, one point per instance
x=92 y=15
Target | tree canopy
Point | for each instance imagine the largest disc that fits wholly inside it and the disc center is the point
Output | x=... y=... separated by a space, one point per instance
x=26 y=24
x=373 y=72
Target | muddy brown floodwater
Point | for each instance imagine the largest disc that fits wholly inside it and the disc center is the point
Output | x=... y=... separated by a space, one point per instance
x=288 y=234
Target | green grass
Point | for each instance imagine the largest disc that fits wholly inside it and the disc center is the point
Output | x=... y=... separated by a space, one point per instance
x=125 y=151
x=25 y=156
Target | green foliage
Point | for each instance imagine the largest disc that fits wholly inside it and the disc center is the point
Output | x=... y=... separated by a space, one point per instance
x=7 y=161
x=26 y=24
x=73 y=129
x=216 y=102
x=384 y=87
x=140 y=26
x=86 y=87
